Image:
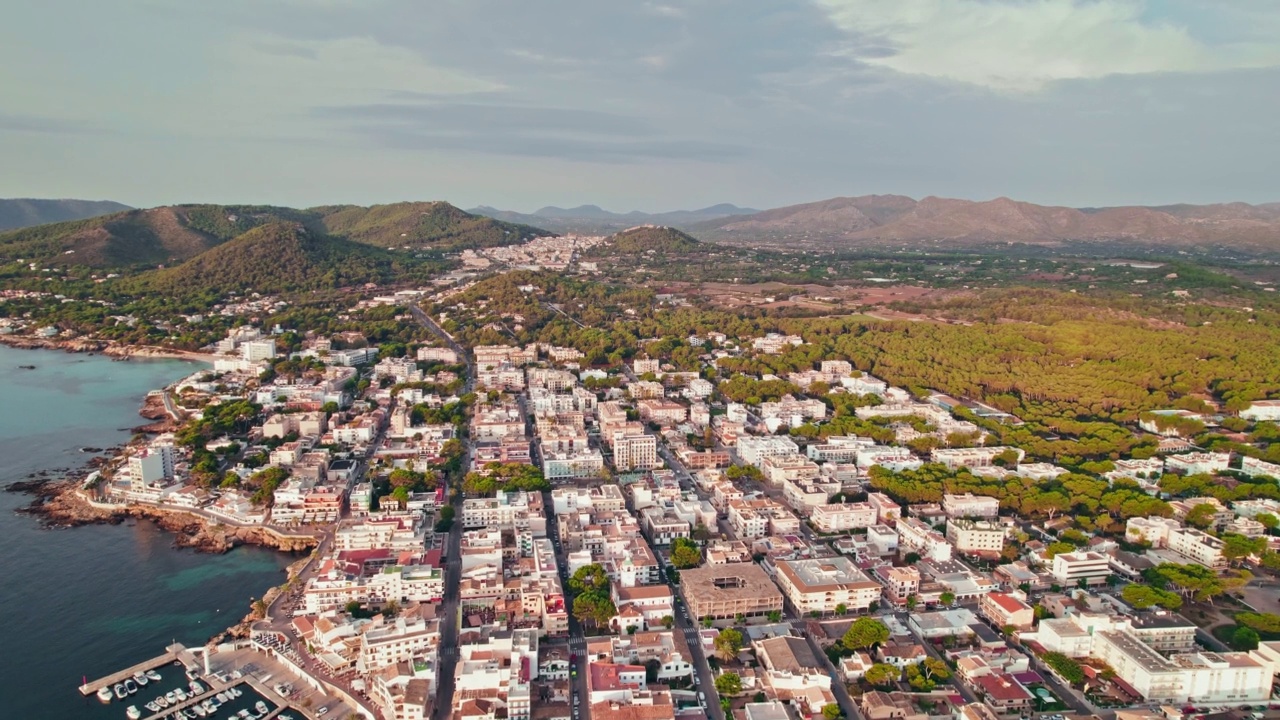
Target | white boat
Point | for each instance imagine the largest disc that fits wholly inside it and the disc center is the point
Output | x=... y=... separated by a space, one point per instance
x=140 y=678
x=162 y=702
x=199 y=710
x=104 y=694
x=130 y=686
x=222 y=696
x=196 y=687
x=153 y=675
x=212 y=704
x=182 y=694
x=261 y=707
x=172 y=697
x=153 y=707
x=243 y=714
x=133 y=712
x=120 y=691
x=234 y=691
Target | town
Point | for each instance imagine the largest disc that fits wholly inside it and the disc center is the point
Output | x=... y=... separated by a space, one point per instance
x=506 y=532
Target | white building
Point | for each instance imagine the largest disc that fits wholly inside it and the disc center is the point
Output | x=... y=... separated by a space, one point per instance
x=843 y=517
x=754 y=449
x=970 y=506
x=152 y=465
x=1198 y=463
x=975 y=537
x=1070 y=568
x=256 y=350
x=1197 y=546
x=1262 y=410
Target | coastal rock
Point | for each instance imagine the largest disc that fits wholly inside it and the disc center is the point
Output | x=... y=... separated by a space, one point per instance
x=61 y=504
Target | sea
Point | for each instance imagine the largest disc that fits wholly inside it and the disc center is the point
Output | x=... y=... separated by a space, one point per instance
x=88 y=601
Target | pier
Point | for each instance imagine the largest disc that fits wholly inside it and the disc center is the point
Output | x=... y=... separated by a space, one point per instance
x=170 y=655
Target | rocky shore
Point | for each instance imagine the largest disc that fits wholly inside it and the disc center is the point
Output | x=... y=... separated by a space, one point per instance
x=62 y=504
x=95 y=345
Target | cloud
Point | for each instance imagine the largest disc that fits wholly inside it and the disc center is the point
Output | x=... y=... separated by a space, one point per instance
x=1023 y=45
x=521 y=131
x=11 y=123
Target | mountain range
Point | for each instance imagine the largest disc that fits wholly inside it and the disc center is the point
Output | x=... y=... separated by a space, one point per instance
x=177 y=233
x=595 y=220
x=25 y=212
x=850 y=223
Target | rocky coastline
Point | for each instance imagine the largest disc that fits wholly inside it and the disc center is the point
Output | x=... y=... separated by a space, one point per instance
x=89 y=344
x=62 y=504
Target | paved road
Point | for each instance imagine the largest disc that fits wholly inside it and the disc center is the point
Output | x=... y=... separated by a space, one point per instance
x=448 y=611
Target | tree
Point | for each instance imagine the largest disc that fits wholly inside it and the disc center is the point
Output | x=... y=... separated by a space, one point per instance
x=1201 y=516
x=1269 y=521
x=1238 y=547
x=668 y=621
x=1056 y=548
x=882 y=674
x=912 y=602
x=728 y=643
x=589 y=578
x=774 y=616
x=831 y=711
x=841 y=609
x=947 y=597
x=1069 y=669
x=593 y=608
x=864 y=633
x=401 y=496
x=1267 y=623
x=1142 y=597
x=728 y=683
x=1244 y=639
x=685 y=554
x=935 y=669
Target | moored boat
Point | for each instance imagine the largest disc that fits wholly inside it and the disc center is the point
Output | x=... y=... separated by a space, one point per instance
x=221 y=697
x=104 y=694
x=162 y=702
x=133 y=712
x=120 y=692
x=182 y=694
x=130 y=686
x=199 y=710
x=172 y=697
x=261 y=707
x=196 y=687
x=140 y=678
x=152 y=707
x=153 y=675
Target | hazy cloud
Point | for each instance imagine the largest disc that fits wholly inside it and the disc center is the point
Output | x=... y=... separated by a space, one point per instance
x=653 y=105
x=1022 y=45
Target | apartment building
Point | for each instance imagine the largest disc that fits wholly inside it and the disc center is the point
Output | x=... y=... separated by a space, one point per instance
x=726 y=591
x=900 y=583
x=887 y=509
x=633 y=449
x=1070 y=568
x=753 y=449
x=917 y=537
x=979 y=457
x=778 y=469
x=976 y=537
x=1198 y=546
x=576 y=464
x=821 y=585
x=1007 y=610
x=969 y=505
x=662 y=411
x=1197 y=463
x=1200 y=678
x=843 y=517
x=1152 y=530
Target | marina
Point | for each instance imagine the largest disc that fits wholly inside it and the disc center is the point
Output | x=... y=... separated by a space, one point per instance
x=230 y=682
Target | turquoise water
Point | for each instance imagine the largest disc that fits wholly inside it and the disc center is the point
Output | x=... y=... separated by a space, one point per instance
x=90 y=601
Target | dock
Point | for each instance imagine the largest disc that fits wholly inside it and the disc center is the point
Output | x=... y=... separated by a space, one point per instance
x=92 y=687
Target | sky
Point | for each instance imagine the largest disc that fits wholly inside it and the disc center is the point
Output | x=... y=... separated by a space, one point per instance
x=630 y=104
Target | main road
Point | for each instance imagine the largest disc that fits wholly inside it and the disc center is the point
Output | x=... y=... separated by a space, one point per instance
x=449 y=610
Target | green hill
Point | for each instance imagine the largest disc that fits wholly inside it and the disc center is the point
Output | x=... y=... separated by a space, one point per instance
x=26 y=212
x=421 y=225
x=284 y=257
x=647 y=239
x=174 y=234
